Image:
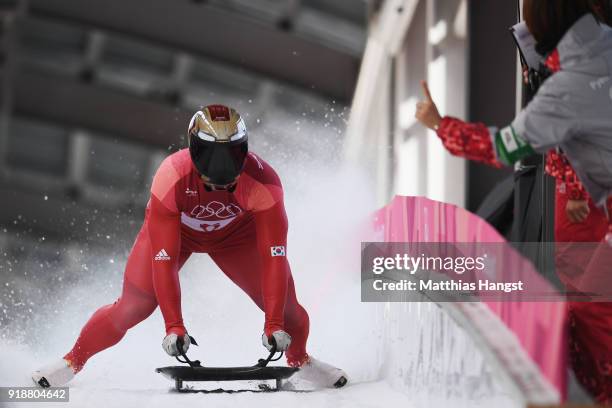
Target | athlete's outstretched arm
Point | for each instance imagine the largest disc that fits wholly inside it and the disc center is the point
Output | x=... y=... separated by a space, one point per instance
x=272 y=225
x=164 y=232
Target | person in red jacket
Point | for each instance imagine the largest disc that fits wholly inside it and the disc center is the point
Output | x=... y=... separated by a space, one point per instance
x=219 y=198
x=577 y=220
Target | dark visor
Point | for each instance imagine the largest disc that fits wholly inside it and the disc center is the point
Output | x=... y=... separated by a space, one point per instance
x=220 y=162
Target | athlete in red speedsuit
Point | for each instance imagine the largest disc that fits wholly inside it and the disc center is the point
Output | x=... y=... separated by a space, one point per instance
x=239 y=231
x=239 y=221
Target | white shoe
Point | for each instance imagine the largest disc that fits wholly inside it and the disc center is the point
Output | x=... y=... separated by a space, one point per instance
x=55 y=374
x=321 y=374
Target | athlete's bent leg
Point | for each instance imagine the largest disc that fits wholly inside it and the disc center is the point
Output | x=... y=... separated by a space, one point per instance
x=109 y=324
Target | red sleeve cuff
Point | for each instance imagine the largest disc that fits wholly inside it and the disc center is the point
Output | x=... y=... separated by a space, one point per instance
x=178 y=330
x=558 y=166
x=575 y=191
x=470 y=140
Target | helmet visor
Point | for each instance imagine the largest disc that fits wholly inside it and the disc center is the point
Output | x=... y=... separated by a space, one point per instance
x=220 y=163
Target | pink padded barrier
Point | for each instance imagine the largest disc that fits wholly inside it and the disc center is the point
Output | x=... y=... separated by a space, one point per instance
x=539 y=326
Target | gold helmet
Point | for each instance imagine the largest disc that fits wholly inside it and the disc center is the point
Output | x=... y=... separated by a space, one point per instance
x=218 y=144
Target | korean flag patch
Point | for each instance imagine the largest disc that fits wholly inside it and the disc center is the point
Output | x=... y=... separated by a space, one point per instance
x=277 y=250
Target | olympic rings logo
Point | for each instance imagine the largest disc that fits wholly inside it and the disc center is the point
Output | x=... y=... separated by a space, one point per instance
x=216 y=209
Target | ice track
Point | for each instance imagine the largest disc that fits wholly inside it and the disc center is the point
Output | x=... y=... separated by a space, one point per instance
x=409 y=355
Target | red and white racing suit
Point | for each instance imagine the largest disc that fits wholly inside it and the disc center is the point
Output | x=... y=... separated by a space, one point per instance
x=245 y=234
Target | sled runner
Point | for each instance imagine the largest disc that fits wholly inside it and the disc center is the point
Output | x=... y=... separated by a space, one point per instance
x=194 y=371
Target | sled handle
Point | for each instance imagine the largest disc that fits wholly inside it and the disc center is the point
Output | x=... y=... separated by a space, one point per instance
x=196 y=363
x=180 y=344
x=264 y=362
